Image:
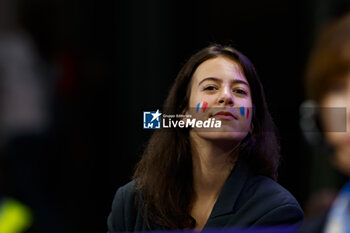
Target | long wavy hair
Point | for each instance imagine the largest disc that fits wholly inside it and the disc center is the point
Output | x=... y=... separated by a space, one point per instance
x=164 y=174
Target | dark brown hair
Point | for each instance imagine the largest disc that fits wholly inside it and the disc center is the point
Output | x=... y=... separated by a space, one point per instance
x=330 y=59
x=164 y=174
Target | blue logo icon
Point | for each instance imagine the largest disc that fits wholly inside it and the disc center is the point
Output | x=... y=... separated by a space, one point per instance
x=151 y=120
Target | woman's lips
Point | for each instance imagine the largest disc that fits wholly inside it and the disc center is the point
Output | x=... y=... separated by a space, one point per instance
x=223 y=115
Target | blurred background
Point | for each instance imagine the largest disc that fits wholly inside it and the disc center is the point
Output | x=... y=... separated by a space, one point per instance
x=76 y=76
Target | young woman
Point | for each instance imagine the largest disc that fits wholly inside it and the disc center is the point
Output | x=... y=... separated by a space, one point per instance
x=195 y=179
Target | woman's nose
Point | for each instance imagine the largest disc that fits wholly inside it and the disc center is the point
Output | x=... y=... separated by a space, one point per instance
x=226 y=97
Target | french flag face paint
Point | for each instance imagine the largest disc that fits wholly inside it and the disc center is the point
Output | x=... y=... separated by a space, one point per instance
x=202 y=105
x=241 y=110
x=244 y=111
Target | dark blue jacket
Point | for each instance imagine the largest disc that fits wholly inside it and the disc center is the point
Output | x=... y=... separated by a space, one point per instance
x=246 y=200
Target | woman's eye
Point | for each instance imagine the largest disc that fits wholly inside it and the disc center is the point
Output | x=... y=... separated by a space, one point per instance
x=240 y=91
x=210 y=88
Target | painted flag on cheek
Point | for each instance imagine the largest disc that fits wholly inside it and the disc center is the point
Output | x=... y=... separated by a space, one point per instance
x=244 y=111
x=241 y=110
x=202 y=105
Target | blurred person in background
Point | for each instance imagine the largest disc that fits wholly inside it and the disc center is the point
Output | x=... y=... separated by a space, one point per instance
x=26 y=84
x=328 y=87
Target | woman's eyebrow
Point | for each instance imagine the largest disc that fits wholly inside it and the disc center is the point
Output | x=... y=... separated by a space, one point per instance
x=210 y=79
x=239 y=81
x=234 y=81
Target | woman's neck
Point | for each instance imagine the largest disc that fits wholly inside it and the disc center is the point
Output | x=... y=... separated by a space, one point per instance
x=212 y=164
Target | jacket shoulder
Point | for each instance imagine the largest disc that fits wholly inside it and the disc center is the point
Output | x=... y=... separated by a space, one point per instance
x=273 y=204
x=267 y=189
x=123 y=213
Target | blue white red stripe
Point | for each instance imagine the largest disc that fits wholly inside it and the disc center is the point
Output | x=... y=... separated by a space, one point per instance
x=202 y=105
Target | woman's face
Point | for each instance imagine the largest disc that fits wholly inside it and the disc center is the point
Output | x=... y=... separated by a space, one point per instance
x=335 y=120
x=220 y=85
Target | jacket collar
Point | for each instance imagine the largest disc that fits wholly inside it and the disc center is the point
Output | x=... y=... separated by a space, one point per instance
x=231 y=190
x=228 y=195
